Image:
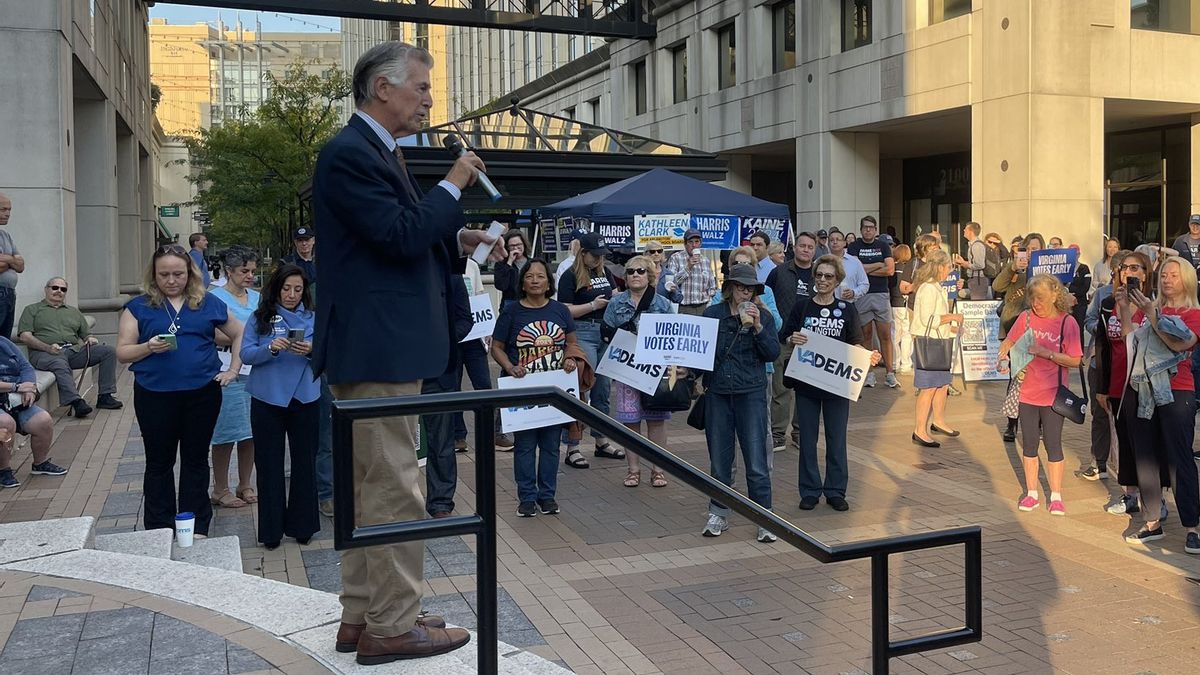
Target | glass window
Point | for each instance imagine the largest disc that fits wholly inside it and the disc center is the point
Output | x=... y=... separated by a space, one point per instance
x=569 y=113
x=422 y=36
x=679 y=73
x=640 y=88
x=1173 y=16
x=783 y=28
x=726 y=56
x=942 y=10
x=856 y=24
x=594 y=108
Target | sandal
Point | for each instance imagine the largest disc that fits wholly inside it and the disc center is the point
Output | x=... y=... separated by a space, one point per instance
x=576 y=460
x=227 y=500
x=633 y=479
x=657 y=479
x=248 y=495
x=607 y=452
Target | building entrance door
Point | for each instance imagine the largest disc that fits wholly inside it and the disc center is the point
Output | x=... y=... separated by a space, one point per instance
x=1135 y=210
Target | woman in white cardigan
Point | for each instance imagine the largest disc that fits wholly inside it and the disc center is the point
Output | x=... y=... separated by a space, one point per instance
x=931 y=317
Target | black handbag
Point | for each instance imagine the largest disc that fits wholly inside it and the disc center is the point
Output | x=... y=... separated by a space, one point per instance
x=674 y=392
x=696 y=417
x=933 y=353
x=1066 y=403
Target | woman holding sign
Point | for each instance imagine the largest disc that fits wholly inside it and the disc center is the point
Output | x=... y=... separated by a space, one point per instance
x=838 y=319
x=533 y=336
x=931 y=317
x=1010 y=284
x=736 y=392
x=622 y=313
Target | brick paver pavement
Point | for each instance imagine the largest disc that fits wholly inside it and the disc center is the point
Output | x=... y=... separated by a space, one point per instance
x=622 y=582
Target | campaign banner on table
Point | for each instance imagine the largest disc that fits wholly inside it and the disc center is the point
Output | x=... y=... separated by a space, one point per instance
x=484 y=316
x=666 y=229
x=830 y=365
x=779 y=228
x=980 y=340
x=618 y=363
x=520 y=418
x=1058 y=262
x=677 y=340
x=718 y=232
x=616 y=235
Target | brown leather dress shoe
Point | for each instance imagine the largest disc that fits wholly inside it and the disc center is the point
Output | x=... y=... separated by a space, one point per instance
x=420 y=642
x=348 y=633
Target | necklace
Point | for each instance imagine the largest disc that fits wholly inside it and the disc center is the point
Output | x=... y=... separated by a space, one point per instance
x=174 y=327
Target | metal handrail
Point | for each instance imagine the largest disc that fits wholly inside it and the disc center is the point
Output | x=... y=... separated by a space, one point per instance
x=483 y=523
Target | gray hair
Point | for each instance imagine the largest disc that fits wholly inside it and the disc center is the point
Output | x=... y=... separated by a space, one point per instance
x=237 y=256
x=53 y=279
x=386 y=59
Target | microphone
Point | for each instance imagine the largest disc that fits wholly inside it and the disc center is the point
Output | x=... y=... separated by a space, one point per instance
x=456 y=148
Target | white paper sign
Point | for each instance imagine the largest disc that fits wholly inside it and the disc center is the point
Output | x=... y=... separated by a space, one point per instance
x=830 y=365
x=618 y=363
x=537 y=416
x=227 y=360
x=980 y=340
x=484 y=316
x=677 y=340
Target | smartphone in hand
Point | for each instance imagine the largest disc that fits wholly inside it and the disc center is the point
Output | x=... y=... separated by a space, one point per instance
x=1133 y=284
x=295 y=335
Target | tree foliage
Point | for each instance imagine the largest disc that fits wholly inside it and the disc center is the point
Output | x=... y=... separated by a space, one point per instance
x=249 y=169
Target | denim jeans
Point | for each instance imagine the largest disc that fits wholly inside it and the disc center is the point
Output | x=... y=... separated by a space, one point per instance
x=325 y=443
x=1165 y=440
x=536 y=477
x=475 y=362
x=743 y=415
x=587 y=334
x=836 y=413
x=441 y=465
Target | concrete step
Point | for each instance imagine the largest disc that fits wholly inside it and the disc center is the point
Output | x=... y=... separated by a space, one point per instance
x=149 y=543
x=222 y=553
x=38 y=538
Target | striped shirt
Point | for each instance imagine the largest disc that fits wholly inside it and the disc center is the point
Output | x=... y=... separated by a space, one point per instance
x=697 y=286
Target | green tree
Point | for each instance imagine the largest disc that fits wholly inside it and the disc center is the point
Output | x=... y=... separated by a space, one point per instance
x=250 y=169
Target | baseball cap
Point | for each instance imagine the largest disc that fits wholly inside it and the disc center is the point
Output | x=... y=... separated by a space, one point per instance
x=303 y=233
x=593 y=243
x=1194 y=219
x=821 y=234
x=692 y=233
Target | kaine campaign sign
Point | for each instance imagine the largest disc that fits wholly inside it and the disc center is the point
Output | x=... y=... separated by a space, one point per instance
x=1057 y=262
x=677 y=340
x=667 y=229
x=718 y=232
x=830 y=365
x=618 y=364
x=484 y=316
x=778 y=228
x=525 y=417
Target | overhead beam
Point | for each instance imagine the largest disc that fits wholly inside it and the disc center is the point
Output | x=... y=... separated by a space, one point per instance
x=627 y=19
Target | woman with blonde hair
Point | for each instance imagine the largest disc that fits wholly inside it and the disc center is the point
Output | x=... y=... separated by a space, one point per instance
x=901 y=335
x=1056 y=350
x=168 y=334
x=931 y=317
x=1162 y=429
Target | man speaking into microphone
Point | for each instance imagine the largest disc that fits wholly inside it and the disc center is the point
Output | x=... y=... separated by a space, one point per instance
x=388 y=251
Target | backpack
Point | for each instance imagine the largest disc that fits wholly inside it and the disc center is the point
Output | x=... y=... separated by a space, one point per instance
x=991 y=265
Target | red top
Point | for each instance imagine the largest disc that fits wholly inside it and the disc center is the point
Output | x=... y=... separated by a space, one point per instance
x=1183 y=380
x=1043 y=376
x=1119 y=370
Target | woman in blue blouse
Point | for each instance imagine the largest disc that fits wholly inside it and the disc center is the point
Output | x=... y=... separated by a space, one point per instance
x=168 y=334
x=284 y=401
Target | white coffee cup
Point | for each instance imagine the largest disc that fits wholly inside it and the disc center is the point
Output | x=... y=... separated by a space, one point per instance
x=185 y=529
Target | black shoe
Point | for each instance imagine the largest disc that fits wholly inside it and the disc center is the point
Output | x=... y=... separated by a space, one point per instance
x=1144 y=535
x=271 y=546
x=1009 y=435
x=527 y=510
x=917 y=440
x=47 y=468
x=108 y=402
x=1192 y=545
x=548 y=506
x=808 y=503
x=303 y=541
x=945 y=432
x=838 y=503
x=80 y=408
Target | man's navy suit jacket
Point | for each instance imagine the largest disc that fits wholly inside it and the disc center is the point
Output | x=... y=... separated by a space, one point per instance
x=384 y=305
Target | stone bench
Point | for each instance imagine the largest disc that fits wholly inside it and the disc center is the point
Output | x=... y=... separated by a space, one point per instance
x=47 y=391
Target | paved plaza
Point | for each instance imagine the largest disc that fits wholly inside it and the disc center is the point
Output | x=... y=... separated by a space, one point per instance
x=622 y=582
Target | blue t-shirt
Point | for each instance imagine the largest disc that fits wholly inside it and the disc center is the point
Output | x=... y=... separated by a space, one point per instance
x=875 y=252
x=198 y=258
x=236 y=310
x=194 y=363
x=535 y=338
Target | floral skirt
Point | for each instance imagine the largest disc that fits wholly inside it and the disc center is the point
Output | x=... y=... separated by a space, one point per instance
x=626 y=403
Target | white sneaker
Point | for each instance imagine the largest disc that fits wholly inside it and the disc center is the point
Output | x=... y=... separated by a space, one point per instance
x=715 y=526
x=766 y=537
x=891 y=381
x=870 y=380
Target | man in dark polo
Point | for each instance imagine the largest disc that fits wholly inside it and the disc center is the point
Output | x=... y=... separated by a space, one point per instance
x=59 y=342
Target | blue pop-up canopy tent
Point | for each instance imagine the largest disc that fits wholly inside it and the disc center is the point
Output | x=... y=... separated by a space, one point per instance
x=662 y=191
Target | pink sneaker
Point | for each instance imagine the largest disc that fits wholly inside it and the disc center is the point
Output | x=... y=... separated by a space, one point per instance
x=1057 y=508
x=1028 y=503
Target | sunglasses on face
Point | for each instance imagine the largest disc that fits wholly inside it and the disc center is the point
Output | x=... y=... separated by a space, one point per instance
x=824 y=275
x=652 y=251
x=993 y=243
x=635 y=270
x=57 y=288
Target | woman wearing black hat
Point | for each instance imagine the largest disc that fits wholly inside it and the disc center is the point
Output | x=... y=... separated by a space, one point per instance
x=586 y=289
x=735 y=398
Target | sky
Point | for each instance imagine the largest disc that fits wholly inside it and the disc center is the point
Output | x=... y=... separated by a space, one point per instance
x=271 y=21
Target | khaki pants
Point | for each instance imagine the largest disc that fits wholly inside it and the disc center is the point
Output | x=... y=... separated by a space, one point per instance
x=696 y=310
x=382 y=585
x=782 y=402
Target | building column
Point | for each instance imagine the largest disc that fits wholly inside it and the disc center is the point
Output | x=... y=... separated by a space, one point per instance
x=837 y=180
x=96 y=203
x=137 y=243
x=1195 y=159
x=739 y=175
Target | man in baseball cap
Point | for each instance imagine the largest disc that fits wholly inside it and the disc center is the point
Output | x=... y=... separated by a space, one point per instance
x=691 y=273
x=822 y=244
x=303 y=240
x=1188 y=244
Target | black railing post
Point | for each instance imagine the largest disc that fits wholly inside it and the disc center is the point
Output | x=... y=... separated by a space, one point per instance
x=973 y=593
x=485 y=542
x=881 y=632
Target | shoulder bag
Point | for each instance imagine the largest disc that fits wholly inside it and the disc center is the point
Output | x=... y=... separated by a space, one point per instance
x=696 y=419
x=933 y=353
x=1066 y=403
x=674 y=392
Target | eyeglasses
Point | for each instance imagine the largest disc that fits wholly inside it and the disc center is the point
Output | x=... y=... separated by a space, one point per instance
x=1131 y=267
x=635 y=270
x=824 y=275
x=57 y=288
